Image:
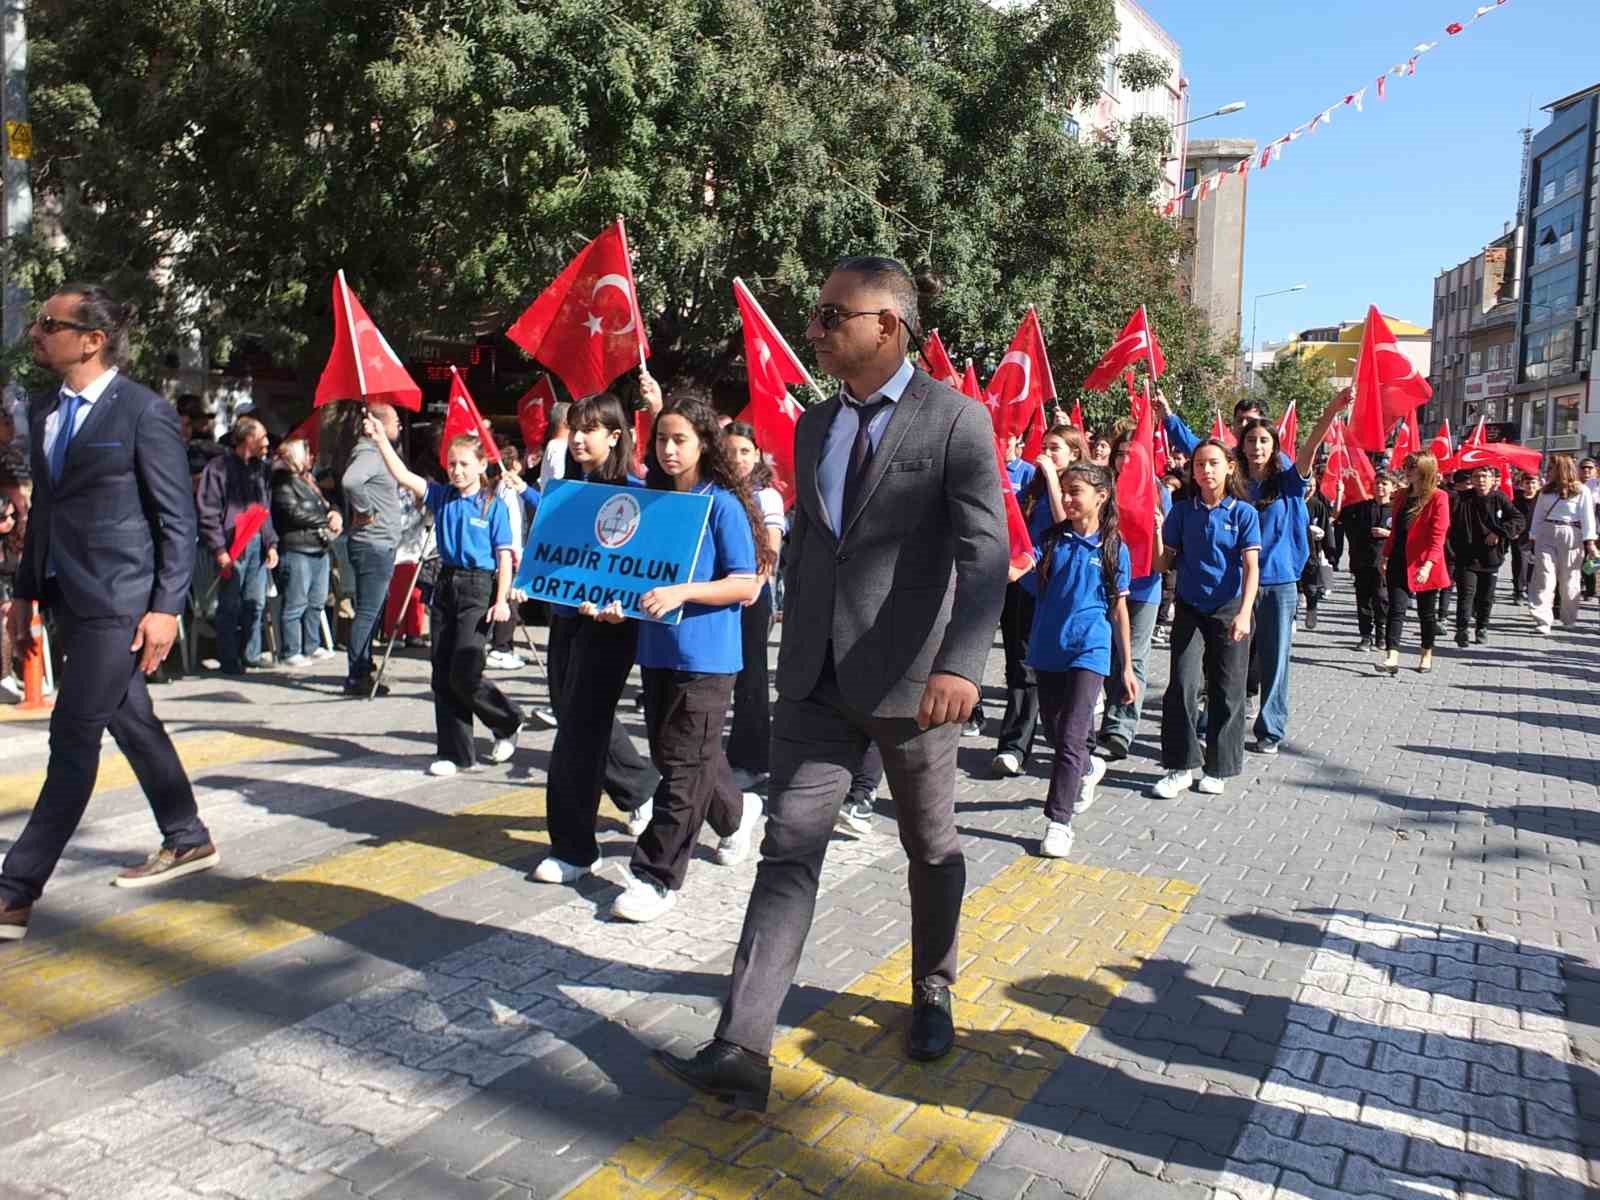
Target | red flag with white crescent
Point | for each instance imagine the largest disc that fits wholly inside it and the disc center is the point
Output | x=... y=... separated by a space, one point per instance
x=462 y=419
x=936 y=360
x=969 y=384
x=771 y=367
x=534 y=407
x=1136 y=492
x=1135 y=344
x=1388 y=385
x=1441 y=447
x=1022 y=382
x=362 y=365
x=1289 y=430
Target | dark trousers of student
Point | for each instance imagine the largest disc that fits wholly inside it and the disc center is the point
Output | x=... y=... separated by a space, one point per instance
x=459 y=620
x=1372 y=604
x=1066 y=701
x=627 y=778
x=1205 y=657
x=1022 y=691
x=750 y=738
x=598 y=657
x=1474 y=597
x=502 y=638
x=1427 y=615
x=101 y=689
x=1521 y=566
x=684 y=711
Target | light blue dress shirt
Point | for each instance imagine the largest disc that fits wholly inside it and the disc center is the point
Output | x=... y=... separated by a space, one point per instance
x=835 y=459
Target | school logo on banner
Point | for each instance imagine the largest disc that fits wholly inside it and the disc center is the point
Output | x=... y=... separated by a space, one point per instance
x=593 y=543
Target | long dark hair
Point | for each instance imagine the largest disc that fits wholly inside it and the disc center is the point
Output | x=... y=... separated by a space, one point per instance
x=1035 y=491
x=604 y=411
x=1270 y=484
x=1100 y=479
x=760 y=475
x=715 y=467
x=1233 y=487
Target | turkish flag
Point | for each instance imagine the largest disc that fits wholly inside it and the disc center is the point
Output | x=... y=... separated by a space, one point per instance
x=586 y=326
x=1289 y=430
x=1022 y=382
x=533 y=413
x=1162 y=451
x=362 y=365
x=1076 y=415
x=1136 y=493
x=1407 y=440
x=1505 y=481
x=310 y=432
x=1017 y=537
x=1350 y=476
x=969 y=384
x=1388 y=387
x=461 y=419
x=1137 y=343
x=772 y=367
x=1478 y=450
x=244 y=531
x=936 y=360
x=1441 y=447
x=1221 y=433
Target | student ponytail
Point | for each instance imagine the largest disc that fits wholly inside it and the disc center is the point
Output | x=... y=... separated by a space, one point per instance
x=1099 y=478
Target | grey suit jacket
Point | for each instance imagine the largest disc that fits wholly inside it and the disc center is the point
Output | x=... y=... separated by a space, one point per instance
x=914 y=582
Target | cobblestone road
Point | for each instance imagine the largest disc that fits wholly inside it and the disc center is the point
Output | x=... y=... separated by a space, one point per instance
x=1372 y=968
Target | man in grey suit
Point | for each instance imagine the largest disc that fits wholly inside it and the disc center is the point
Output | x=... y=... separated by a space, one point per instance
x=896 y=574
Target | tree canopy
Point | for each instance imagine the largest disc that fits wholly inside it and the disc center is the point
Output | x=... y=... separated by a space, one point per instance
x=451 y=156
x=1303 y=381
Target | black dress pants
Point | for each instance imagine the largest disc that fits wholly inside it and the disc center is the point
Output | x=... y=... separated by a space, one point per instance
x=100 y=688
x=597 y=658
x=1205 y=656
x=1427 y=615
x=684 y=711
x=1372 y=604
x=1474 y=597
x=628 y=779
x=459 y=620
x=750 y=738
x=1022 y=688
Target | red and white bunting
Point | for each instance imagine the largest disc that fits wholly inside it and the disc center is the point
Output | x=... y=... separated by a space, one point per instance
x=1273 y=150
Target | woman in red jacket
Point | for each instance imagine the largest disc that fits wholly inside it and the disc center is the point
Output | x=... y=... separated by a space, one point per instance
x=1415 y=557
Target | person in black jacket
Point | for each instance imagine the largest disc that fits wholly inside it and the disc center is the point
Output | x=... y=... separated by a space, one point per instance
x=1366 y=525
x=1483 y=523
x=1527 y=496
x=306 y=524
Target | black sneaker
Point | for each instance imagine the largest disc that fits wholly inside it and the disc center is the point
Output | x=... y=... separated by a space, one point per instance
x=360 y=689
x=1112 y=749
x=1363 y=644
x=1461 y=639
x=1481 y=637
x=1265 y=745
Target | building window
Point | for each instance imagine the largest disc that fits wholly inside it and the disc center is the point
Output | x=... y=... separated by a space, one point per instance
x=1569 y=410
x=1552 y=293
x=1556 y=232
x=1558 y=171
x=1108 y=83
x=1190 y=177
x=1548 y=352
x=1070 y=127
x=1475 y=363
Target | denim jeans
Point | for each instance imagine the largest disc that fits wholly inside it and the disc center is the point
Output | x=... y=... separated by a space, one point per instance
x=305 y=592
x=1121 y=720
x=372 y=565
x=1274 y=634
x=241 y=598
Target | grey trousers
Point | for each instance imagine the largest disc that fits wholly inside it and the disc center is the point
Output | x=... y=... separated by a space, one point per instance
x=817 y=745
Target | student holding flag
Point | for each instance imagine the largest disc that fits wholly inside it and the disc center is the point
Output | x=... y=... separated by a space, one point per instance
x=474 y=536
x=1483 y=524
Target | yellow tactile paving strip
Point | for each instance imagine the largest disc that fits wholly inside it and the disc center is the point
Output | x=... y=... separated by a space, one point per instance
x=1046 y=947
x=50 y=985
x=20 y=789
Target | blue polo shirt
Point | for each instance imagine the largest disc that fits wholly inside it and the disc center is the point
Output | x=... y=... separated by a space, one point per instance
x=1210 y=544
x=707 y=640
x=1039 y=521
x=1285 y=536
x=1072 y=623
x=469 y=529
x=1147 y=588
x=1179 y=436
x=1021 y=473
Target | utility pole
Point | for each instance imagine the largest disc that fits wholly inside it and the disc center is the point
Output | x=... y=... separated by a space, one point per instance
x=15 y=176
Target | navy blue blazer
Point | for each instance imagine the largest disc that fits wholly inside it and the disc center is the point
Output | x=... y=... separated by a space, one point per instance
x=120 y=525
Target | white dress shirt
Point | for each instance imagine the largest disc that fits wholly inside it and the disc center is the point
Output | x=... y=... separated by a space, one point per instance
x=89 y=395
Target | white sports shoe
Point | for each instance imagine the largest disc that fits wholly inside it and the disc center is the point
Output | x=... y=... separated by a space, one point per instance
x=1210 y=785
x=1006 y=764
x=735 y=848
x=1170 y=785
x=642 y=900
x=544 y=718
x=553 y=870
x=505 y=747
x=1097 y=772
x=321 y=652
x=296 y=660
x=441 y=768
x=1057 y=843
x=639 y=818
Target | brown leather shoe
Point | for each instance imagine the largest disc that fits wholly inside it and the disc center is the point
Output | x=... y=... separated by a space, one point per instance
x=14 y=922
x=167 y=864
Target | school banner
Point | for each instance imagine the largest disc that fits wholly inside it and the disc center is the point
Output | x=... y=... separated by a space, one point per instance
x=602 y=544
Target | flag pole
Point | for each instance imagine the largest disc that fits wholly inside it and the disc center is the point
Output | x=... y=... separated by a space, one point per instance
x=756 y=304
x=638 y=309
x=388 y=649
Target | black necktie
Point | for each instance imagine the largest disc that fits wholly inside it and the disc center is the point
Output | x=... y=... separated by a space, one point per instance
x=860 y=457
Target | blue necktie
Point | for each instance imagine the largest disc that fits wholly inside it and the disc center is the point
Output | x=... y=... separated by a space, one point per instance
x=64 y=429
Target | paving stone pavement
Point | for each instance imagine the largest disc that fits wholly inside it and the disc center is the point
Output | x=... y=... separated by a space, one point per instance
x=1371 y=968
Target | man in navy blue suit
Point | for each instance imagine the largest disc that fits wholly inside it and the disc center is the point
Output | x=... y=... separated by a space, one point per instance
x=109 y=552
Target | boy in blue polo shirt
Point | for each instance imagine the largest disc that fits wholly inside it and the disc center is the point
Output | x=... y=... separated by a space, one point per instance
x=1212 y=539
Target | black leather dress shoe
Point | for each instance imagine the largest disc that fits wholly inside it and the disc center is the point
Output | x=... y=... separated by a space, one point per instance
x=933 y=1031
x=725 y=1072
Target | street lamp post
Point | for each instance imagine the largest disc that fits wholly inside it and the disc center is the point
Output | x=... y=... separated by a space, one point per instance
x=1232 y=106
x=1255 y=315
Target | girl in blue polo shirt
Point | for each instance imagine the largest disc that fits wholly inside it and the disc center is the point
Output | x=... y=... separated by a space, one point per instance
x=1277 y=488
x=689 y=668
x=1081 y=609
x=473 y=532
x=1212 y=540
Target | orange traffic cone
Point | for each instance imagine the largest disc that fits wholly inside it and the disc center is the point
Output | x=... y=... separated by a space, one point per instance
x=33 y=694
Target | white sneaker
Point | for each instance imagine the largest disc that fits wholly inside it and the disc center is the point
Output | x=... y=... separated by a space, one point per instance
x=642 y=900
x=735 y=848
x=492 y=659
x=1057 y=843
x=855 y=816
x=1210 y=785
x=1170 y=785
x=553 y=870
x=505 y=747
x=1086 y=796
x=296 y=660
x=505 y=660
x=441 y=768
x=10 y=687
x=322 y=652
x=639 y=818
x=544 y=718
x=1007 y=764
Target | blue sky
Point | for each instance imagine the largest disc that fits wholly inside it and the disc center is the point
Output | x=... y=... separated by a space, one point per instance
x=1370 y=208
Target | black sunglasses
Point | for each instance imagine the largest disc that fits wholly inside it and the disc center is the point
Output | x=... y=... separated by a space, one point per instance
x=49 y=325
x=831 y=316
